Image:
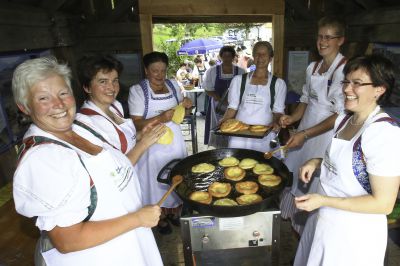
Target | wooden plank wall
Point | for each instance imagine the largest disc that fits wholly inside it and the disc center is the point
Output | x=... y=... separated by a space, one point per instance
x=274 y=8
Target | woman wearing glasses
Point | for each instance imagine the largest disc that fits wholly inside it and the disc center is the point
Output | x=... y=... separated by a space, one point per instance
x=360 y=172
x=321 y=101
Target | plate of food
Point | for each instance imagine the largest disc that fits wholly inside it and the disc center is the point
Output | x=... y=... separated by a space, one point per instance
x=233 y=127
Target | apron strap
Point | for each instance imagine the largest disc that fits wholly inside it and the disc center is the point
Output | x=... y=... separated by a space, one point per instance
x=272 y=91
x=358 y=161
x=122 y=138
x=171 y=85
x=315 y=66
x=40 y=140
x=341 y=62
x=117 y=110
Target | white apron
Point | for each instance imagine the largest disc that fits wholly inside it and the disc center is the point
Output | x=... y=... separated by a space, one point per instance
x=158 y=155
x=317 y=110
x=342 y=237
x=116 y=197
x=108 y=126
x=254 y=109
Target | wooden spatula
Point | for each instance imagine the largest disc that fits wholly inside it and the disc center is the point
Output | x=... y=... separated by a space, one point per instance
x=176 y=180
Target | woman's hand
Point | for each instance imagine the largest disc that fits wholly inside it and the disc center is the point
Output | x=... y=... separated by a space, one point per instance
x=148 y=216
x=296 y=140
x=307 y=170
x=166 y=116
x=286 y=120
x=151 y=135
x=309 y=202
x=187 y=103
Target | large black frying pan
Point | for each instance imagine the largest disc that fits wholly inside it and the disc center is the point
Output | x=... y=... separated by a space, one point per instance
x=192 y=182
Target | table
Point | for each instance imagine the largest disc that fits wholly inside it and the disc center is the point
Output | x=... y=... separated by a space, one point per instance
x=196 y=91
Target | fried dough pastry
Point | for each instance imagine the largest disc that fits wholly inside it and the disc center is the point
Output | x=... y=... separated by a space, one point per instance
x=228 y=161
x=249 y=199
x=246 y=187
x=203 y=168
x=219 y=189
x=234 y=173
x=263 y=169
x=225 y=202
x=201 y=196
x=269 y=180
x=258 y=128
x=247 y=163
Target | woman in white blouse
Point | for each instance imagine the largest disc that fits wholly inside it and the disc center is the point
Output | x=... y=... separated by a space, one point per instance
x=84 y=193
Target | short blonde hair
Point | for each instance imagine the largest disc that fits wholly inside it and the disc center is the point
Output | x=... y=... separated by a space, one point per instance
x=27 y=74
x=266 y=45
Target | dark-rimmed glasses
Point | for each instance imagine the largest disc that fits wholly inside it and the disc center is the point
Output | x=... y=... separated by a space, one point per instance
x=354 y=84
x=327 y=37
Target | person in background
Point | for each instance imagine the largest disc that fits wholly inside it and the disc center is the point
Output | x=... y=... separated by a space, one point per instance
x=360 y=173
x=84 y=193
x=99 y=77
x=153 y=100
x=182 y=76
x=216 y=82
x=258 y=105
x=320 y=103
x=198 y=73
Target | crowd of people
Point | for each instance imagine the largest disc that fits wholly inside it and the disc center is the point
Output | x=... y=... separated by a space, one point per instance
x=101 y=164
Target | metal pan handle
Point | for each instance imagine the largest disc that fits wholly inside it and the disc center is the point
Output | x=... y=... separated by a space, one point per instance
x=168 y=167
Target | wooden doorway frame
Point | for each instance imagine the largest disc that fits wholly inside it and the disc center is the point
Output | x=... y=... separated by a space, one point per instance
x=213 y=11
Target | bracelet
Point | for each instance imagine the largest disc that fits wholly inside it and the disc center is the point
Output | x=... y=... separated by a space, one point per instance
x=305 y=134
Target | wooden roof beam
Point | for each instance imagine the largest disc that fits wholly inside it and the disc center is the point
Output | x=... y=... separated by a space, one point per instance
x=52 y=5
x=122 y=8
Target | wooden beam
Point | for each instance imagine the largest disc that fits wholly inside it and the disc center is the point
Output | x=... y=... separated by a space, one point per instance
x=211 y=7
x=212 y=19
x=146 y=31
x=278 y=33
x=368 y=4
x=52 y=6
x=387 y=33
x=375 y=17
x=112 y=30
x=122 y=8
x=299 y=8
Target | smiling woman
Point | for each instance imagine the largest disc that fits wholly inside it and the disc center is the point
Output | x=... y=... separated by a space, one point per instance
x=74 y=182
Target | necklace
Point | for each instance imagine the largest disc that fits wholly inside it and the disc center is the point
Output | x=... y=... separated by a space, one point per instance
x=354 y=123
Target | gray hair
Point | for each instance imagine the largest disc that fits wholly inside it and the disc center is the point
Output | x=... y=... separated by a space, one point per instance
x=27 y=74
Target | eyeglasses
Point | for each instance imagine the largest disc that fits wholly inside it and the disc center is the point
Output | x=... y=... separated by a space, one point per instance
x=354 y=84
x=327 y=37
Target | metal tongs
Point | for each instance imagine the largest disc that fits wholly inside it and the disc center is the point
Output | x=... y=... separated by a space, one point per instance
x=268 y=155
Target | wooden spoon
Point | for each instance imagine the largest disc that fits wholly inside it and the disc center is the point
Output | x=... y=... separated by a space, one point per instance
x=176 y=180
x=268 y=155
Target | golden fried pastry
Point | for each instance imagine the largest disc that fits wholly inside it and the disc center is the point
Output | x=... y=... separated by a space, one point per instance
x=167 y=137
x=228 y=161
x=225 y=202
x=269 y=180
x=201 y=196
x=203 y=168
x=246 y=187
x=219 y=189
x=258 y=128
x=234 y=173
x=263 y=169
x=230 y=125
x=247 y=163
x=179 y=114
x=247 y=199
x=243 y=126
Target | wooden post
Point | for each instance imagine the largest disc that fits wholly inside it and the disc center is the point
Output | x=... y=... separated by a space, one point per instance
x=278 y=38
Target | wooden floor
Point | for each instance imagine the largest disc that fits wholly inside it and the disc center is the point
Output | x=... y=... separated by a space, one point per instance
x=18 y=237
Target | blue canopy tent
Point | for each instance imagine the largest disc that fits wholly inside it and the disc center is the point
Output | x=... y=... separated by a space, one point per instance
x=200 y=46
